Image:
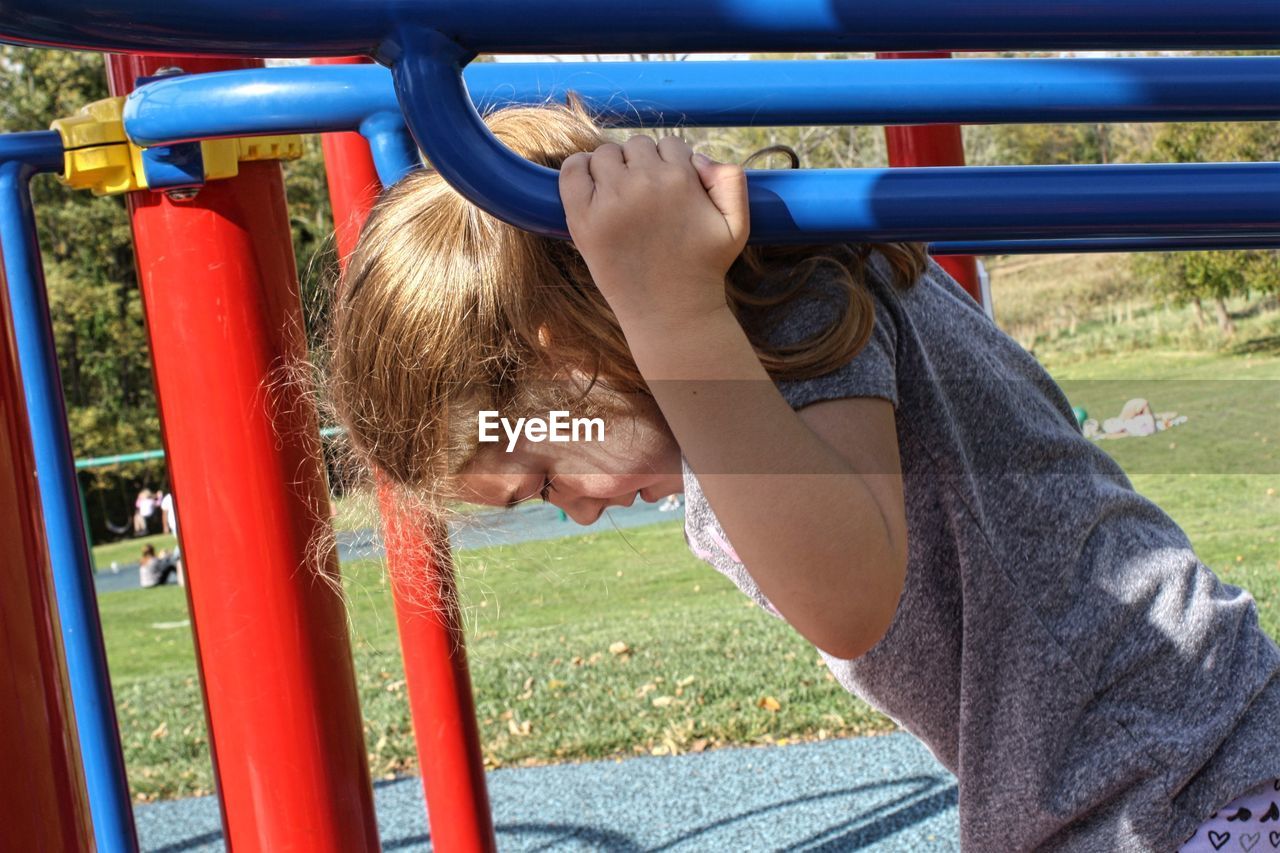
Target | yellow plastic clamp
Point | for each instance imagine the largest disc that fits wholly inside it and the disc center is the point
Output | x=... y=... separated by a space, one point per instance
x=98 y=156
x=101 y=159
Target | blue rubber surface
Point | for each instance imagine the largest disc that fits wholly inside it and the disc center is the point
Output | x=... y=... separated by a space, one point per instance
x=879 y=794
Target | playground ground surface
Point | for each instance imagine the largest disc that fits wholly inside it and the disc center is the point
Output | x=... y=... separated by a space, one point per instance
x=877 y=794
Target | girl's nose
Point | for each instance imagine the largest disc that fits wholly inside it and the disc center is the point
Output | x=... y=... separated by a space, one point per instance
x=586 y=510
x=582 y=510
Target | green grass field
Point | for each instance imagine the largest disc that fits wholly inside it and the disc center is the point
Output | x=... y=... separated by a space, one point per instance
x=128 y=551
x=702 y=667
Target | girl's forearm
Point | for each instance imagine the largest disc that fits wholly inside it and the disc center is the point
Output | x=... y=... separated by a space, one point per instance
x=803 y=521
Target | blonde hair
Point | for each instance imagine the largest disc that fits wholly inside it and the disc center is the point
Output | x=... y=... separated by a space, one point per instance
x=444 y=311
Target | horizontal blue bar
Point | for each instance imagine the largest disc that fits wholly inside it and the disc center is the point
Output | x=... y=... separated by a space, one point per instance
x=325 y=98
x=332 y=98
x=876 y=205
x=35 y=151
x=340 y=27
x=1223 y=242
x=23 y=155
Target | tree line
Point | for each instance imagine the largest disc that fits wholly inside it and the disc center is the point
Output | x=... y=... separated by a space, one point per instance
x=97 y=312
x=94 y=302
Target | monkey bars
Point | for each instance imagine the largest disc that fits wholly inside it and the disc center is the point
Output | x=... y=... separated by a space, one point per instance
x=344 y=27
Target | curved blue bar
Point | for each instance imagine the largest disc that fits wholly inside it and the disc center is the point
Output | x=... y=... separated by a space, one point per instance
x=1224 y=242
x=341 y=27
x=879 y=205
x=326 y=98
x=21 y=156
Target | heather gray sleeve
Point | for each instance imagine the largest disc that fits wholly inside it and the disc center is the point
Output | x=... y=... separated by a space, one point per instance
x=870 y=373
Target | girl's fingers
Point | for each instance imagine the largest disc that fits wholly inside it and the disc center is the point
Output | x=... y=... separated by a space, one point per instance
x=673 y=149
x=726 y=184
x=640 y=151
x=606 y=164
x=576 y=186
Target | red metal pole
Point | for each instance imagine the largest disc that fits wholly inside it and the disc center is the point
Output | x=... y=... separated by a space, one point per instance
x=431 y=637
x=435 y=667
x=43 y=805
x=350 y=173
x=221 y=298
x=933 y=145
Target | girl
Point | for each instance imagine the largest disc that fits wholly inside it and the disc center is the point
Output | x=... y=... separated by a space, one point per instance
x=1003 y=594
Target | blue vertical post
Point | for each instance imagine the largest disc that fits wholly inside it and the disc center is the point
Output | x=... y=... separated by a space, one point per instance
x=23 y=155
x=394 y=152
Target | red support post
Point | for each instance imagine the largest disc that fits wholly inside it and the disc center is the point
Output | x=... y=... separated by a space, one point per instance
x=221 y=298
x=933 y=145
x=435 y=667
x=43 y=804
x=431 y=636
x=351 y=176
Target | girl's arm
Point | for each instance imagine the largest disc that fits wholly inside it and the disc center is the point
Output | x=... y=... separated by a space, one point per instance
x=811 y=501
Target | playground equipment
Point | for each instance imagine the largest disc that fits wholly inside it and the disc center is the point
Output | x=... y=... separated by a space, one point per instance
x=220 y=293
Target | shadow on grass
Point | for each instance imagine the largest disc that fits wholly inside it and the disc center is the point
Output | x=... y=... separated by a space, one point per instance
x=1257 y=346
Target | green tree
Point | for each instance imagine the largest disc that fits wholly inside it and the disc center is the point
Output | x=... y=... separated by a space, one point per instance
x=93 y=298
x=311 y=223
x=1194 y=277
x=94 y=303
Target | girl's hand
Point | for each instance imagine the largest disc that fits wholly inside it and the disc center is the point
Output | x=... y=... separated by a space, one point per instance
x=658 y=226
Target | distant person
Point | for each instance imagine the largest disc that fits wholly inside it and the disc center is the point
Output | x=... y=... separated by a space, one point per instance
x=167 y=515
x=143 y=508
x=156 y=569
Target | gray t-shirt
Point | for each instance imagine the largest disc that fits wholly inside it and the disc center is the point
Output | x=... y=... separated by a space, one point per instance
x=1058 y=645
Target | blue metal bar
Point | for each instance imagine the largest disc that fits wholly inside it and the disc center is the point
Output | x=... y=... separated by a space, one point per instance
x=361 y=97
x=878 y=205
x=30 y=154
x=329 y=98
x=343 y=27
x=23 y=155
x=1224 y=242
x=390 y=144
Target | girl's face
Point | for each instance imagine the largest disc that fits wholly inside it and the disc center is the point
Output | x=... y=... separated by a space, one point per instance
x=638 y=456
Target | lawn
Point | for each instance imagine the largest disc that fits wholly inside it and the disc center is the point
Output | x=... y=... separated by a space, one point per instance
x=699 y=666
x=128 y=551
x=699 y=663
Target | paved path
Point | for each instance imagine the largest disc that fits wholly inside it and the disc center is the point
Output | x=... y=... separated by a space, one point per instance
x=528 y=523
x=883 y=794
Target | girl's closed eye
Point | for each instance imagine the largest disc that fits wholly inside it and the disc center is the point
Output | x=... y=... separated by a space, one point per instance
x=546 y=488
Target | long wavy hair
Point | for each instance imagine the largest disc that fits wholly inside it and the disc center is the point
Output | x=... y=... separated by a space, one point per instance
x=444 y=311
